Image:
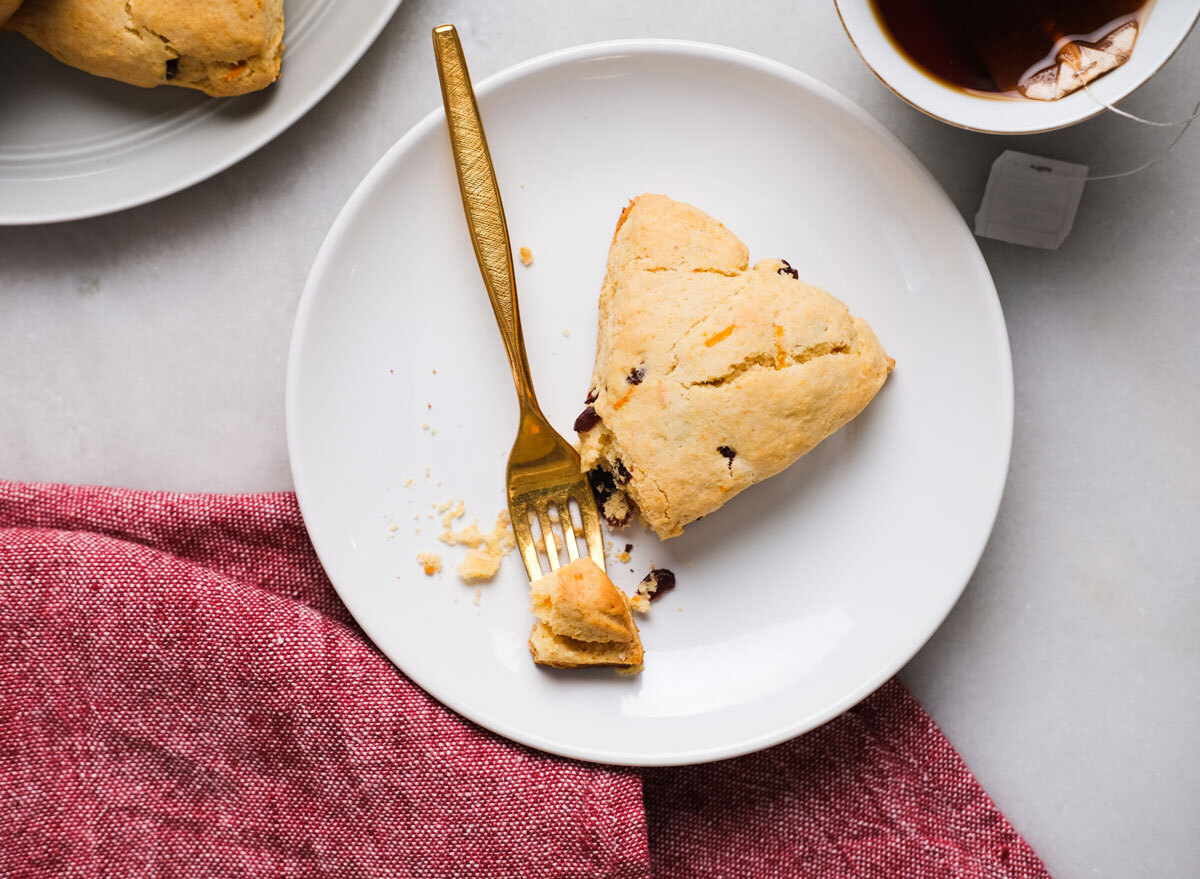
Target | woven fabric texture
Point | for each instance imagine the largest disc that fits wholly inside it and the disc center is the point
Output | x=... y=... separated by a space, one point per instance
x=182 y=694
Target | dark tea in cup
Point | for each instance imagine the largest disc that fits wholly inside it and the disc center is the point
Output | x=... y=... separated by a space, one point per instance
x=1039 y=49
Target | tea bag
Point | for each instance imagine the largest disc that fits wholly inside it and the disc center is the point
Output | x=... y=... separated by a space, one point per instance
x=1078 y=63
x=1045 y=50
x=1030 y=200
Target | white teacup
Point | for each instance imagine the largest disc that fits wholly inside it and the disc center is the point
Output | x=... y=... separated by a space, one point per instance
x=1165 y=26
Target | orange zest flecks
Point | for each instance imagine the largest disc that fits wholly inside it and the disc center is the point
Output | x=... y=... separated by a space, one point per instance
x=430 y=562
x=625 y=399
x=718 y=337
x=236 y=71
x=780 y=354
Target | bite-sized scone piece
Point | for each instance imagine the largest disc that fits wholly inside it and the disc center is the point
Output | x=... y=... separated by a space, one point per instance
x=559 y=652
x=221 y=47
x=579 y=601
x=583 y=619
x=710 y=375
x=7 y=8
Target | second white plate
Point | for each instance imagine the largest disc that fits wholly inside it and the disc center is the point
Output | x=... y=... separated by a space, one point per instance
x=800 y=596
x=74 y=145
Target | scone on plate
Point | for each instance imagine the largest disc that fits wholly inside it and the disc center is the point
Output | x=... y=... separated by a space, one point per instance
x=221 y=47
x=583 y=619
x=710 y=375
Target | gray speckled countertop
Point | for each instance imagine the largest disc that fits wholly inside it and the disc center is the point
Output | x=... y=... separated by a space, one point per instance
x=147 y=349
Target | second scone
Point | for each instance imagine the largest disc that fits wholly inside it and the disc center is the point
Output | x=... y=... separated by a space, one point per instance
x=710 y=375
x=221 y=47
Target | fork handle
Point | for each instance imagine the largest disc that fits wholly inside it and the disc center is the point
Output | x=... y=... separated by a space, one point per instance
x=481 y=201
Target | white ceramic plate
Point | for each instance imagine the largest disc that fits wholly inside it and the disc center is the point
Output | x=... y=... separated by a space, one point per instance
x=1167 y=24
x=800 y=596
x=74 y=145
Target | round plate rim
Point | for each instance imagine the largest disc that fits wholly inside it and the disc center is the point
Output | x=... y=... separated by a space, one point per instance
x=687 y=48
x=1075 y=114
x=223 y=160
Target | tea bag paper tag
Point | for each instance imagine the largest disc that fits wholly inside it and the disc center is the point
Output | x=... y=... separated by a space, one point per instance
x=1030 y=200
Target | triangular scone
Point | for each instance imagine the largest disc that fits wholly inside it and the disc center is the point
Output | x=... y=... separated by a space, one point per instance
x=711 y=376
x=221 y=47
x=583 y=619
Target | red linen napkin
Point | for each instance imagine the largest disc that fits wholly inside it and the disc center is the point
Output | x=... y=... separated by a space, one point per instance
x=182 y=694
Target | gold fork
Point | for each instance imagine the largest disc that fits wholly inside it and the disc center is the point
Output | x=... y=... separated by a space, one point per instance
x=543 y=469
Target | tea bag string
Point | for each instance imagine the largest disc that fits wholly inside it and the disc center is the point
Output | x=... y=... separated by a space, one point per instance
x=1186 y=123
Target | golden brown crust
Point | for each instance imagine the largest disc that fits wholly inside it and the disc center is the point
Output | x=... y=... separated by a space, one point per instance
x=583 y=619
x=621 y=220
x=556 y=651
x=710 y=375
x=579 y=601
x=222 y=48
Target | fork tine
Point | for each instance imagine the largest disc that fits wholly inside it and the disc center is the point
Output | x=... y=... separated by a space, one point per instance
x=591 y=527
x=543 y=514
x=524 y=535
x=568 y=528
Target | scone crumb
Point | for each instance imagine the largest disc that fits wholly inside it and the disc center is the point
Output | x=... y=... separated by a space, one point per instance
x=487 y=549
x=526 y=256
x=431 y=562
x=476 y=596
x=479 y=566
x=640 y=603
x=566 y=334
x=457 y=513
x=469 y=536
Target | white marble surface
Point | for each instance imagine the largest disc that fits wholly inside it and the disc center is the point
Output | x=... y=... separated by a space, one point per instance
x=147 y=349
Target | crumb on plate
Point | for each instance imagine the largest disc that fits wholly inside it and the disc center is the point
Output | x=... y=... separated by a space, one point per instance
x=430 y=561
x=486 y=549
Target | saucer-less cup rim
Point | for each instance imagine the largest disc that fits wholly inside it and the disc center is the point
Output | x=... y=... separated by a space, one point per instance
x=1165 y=27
